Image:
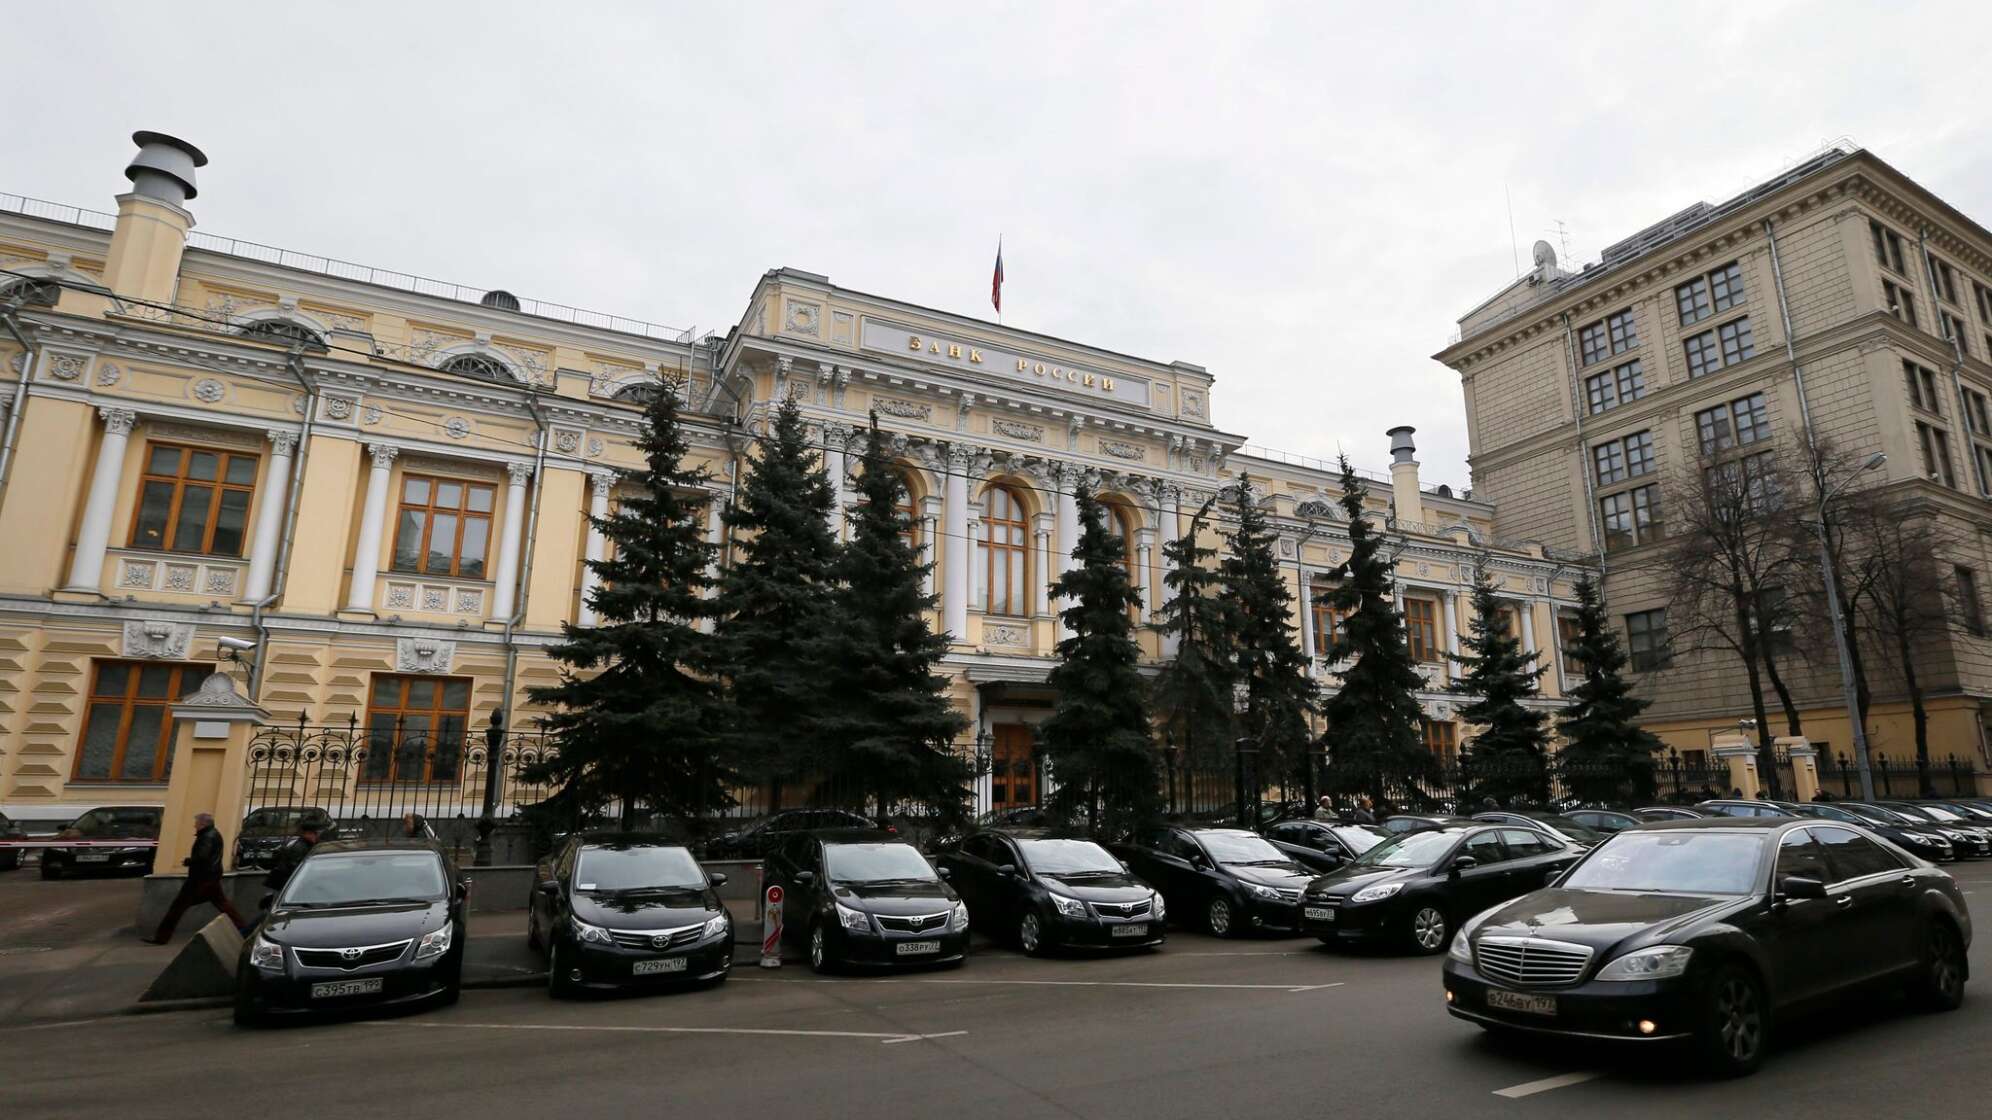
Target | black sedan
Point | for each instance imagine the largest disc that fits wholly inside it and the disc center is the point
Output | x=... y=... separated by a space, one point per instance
x=1412 y=822
x=359 y=924
x=267 y=829
x=619 y=910
x=112 y=840
x=1324 y=845
x=1557 y=825
x=10 y=832
x=1668 y=813
x=1708 y=932
x=1929 y=845
x=1231 y=880
x=1413 y=890
x=1604 y=822
x=1046 y=891
x=768 y=834
x=1967 y=836
x=858 y=897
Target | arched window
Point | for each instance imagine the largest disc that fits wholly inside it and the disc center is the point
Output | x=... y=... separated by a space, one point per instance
x=31 y=291
x=641 y=393
x=283 y=332
x=1004 y=534
x=481 y=366
x=1123 y=525
x=909 y=510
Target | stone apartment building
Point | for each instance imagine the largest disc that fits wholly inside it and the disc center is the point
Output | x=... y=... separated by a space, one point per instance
x=1840 y=295
x=376 y=484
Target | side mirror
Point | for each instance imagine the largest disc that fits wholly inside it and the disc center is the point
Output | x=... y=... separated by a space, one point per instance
x=804 y=878
x=945 y=872
x=463 y=888
x=549 y=888
x=1008 y=870
x=716 y=878
x=1798 y=886
x=1464 y=863
x=1552 y=875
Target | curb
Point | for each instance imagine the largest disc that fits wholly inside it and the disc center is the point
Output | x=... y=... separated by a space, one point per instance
x=208 y=1003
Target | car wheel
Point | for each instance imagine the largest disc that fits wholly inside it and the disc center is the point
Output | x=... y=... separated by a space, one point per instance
x=557 y=984
x=1427 y=930
x=819 y=951
x=1221 y=917
x=1735 y=1030
x=1030 y=935
x=49 y=870
x=1941 y=986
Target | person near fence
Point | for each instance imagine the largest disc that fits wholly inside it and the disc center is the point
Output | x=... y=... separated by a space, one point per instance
x=1325 y=811
x=413 y=827
x=1365 y=811
x=284 y=864
x=203 y=881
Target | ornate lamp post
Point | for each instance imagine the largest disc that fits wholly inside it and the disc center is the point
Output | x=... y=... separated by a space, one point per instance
x=487 y=821
x=1241 y=705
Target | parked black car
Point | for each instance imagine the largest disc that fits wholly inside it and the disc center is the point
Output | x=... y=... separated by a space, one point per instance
x=1968 y=837
x=1902 y=833
x=1044 y=890
x=1558 y=825
x=767 y=834
x=267 y=829
x=99 y=830
x=359 y=924
x=1707 y=932
x=1324 y=845
x=1742 y=807
x=619 y=909
x=865 y=897
x=1669 y=813
x=1411 y=822
x=10 y=858
x=1605 y=822
x=1231 y=880
x=1414 y=889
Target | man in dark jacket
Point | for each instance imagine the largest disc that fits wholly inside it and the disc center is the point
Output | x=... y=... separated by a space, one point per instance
x=284 y=864
x=203 y=881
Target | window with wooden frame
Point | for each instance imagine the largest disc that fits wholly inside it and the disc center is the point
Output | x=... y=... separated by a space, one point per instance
x=128 y=732
x=1006 y=552
x=1421 y=628
x=1646 y=640
x=1327 y=623
x=442 y=526
x=415 y=728
x=194 y=499
x=1442 y=739
x=908 y=512
x=1568 y=631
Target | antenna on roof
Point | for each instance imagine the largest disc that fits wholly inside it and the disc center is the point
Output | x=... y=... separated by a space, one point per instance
x=1514 y=243
x=1563 y=238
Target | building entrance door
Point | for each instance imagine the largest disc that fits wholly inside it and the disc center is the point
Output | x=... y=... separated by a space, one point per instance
x=1012 y=772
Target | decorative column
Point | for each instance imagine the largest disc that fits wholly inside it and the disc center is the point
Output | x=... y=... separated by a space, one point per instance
x=930 y=524
x=1042 y=530
x=263 y=545
x=505 y=594
x=1170 y=499
x=1452 y=621
x=373 y=515
x=1067 y=481
x=1307 y=617
x=1144 y=552
x=596 y=549
x=954 y=545
x=1528 y=613
x=834 y=439
x=86 y=568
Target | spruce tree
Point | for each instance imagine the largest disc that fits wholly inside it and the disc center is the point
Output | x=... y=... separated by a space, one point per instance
x=773 y=606
x=1607 y=756
x=636 y=716
x=1509 y=757
x=1373 y=735
x=1279 y=694
x=1192 y=693
x=890 y=730
x=1096 y=740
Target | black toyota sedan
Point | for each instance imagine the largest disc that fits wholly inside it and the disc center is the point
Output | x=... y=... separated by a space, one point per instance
x=111 y=840
x=622 y=910
x=864 y=897
x=1903 y=834
x=1044 y=890
x=1707 y=932
x=767 y=834
x=267 y=829
x=1231 y=880
x=1324 y=845
x=1413 y=890
x=361 y=923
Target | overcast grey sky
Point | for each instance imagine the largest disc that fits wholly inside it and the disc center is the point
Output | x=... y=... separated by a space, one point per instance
x=1302 y=198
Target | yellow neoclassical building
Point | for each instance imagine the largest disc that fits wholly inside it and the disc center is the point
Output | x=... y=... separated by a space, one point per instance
x=373 y=486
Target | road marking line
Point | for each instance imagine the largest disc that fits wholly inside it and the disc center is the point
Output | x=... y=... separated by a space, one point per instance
x=882 y=1036
x=1114 y=984
x=1531 y=1088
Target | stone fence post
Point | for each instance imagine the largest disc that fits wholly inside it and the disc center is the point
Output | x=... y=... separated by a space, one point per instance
x=1736 y=752
x=212 y=729
x=1804 y=766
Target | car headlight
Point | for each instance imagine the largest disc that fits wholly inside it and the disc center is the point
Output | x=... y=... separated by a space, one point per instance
x=716 y=925
x=437 y=943
x=958 y=921
x=857 y=921
x=1376 y=893
x=1270 y=894
x=1068 y=907
x=266 y=953
x=1657 y=963
x=1461 y=950
x=583 y=932
x=1160 y=908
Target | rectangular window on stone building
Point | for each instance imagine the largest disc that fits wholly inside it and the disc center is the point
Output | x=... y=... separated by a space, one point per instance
x=1421 y=628
x=1953 y=329
x=1726 y=285
x=1614 y=387
x=1897 y=301
x=1614 y=334
x=192 y=499
x=1944 y=279
x=1631 y=517
x=1646 y=640
x=1922 y=388
x=1982 y=296
x=1887 y=247
x=1737 y=342
x=415 y=728
x=1567 y=633
x=1752 y=419
x=1934 y=443
x=128 y=731
x=1703 y=353
x=1976 y=416
x=1982 y=457
x=1638 y=454
x=1968 y=605
x=443 y=527
x=1609 y=460
x=1691 y=299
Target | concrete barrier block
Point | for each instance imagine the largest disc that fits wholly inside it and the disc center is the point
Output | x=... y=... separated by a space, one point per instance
x=245 y=889
x=204 y=967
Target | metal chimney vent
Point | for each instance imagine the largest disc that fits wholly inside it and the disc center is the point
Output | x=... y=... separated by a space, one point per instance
x=164 y=167
x=500 y=299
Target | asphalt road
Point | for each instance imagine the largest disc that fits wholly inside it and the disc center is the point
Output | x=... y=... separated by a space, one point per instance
x=1203 y=1029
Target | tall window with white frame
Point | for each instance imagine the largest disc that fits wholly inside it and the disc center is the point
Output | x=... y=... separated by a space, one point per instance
x=1006 y=555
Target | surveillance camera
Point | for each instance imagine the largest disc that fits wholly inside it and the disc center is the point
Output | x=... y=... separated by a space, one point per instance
x=235 y=645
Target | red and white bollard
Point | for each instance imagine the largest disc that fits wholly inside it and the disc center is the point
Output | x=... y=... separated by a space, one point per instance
x=771 y=928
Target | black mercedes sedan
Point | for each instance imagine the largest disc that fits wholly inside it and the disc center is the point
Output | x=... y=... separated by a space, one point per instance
x=864 y=897
x=1414 y=889
x=1969 y=837
x=361 y=923
x=269 y=828
x=1045 y=890
x=1231 y=880
x=622 y=910
x=1708 y=933
x=1324 y=845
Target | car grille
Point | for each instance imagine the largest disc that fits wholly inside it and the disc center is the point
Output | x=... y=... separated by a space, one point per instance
x=922 y=923
x=359 y=957
x=1122 y=909
x=656 y=938
x=1288 y=894
x=1531 y=961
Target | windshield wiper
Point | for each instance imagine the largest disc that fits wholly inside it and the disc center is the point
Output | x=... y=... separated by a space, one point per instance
x=1258 y=863
x=1098 y=873
x=888 y=882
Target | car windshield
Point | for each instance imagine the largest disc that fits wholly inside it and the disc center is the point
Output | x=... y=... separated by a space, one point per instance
x=1068 y=857
x=638 y=869
x=877 y=863
x=1412 y=849
x=1877 y=813
x=1672 y=862
x=1911 y=812
x=1359 y=838
x=1830 y=812
x=366 y=877
x=118 y=823
x=1940 y=813
x=1239 y=848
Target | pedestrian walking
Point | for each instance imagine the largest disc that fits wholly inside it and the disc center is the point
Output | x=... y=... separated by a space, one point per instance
x=284 y=864
x=203 y=881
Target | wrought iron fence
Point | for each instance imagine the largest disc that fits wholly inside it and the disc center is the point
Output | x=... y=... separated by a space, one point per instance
x=1949 y=776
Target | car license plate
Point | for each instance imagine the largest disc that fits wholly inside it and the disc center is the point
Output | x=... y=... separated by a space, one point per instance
x=652 y=968
x=93 y=857
x=915 y=948
x=338 y=988
x=1132 y=929
x=1319 y=914
x=1517 y=1001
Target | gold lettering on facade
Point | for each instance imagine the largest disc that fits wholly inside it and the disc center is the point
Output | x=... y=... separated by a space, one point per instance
x=913 y=342
x=1038 y=369
x=975 y=356
x=933 y=348
x=1023 y=365
x=954 y=350
x=1089 y=381
x=1107 y=383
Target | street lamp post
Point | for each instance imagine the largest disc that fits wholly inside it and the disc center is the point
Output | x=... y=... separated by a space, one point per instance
x=487 y=821
x=1241 y=705
x=1848 y=692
